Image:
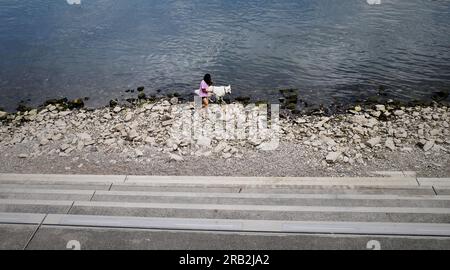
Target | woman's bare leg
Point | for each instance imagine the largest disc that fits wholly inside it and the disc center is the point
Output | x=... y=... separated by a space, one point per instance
x=205 y=102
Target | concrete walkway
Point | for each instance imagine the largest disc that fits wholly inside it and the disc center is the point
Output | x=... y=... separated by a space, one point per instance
x=394 y=210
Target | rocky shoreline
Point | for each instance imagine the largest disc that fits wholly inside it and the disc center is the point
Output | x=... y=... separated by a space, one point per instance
x=143 y=133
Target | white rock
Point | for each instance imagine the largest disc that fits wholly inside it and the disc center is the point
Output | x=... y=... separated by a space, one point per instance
x=148 y=107
x=374 y=141
x=128 y=117
x=84 y=136
x=428 y=145
x=227 y=155
x=149 y=140
x=117 y=109
x=435 y=132
x=437 y=148
x=167 y=123
x=175 y=157
x=362 y=120
x=332 y=157
x=44 y=141
x=57 y=137
x=220 y=147
x=109 y=141
x=375 y=114
x=201 y=153
x=329 y=141
x=390 y=144
x=400 y=133
x=64 y=147
x=399 y=113
x=370 y=123
x=322 y=122
x=3 y=115
x=269 y=145
x=132 y=134
x=60 y=124
x=139 y=153
x=300 y=121
x=119 y=127
x=204 y=141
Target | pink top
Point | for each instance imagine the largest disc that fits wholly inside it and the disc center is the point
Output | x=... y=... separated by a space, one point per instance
x=203 y=85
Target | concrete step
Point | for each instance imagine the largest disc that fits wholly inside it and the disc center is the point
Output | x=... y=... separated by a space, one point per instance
x=59 y=237
x=220 y=211
x=273 y=181
x=112 y=232
x=186 y=212
x=442 y=190
x=243 y=225
x=54 y=178
x=46 y=194
x=15 y=237
x=229 y=198
x=270 y=226
x=234 y=189
x=442 y=182
x=306 y=189
x=35 y=206
x=210 y=180
x=270 y=212
x=274 y=199
x=21 y=218
x=56 y=186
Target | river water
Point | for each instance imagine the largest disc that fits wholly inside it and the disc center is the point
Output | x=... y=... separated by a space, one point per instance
x=331 y=50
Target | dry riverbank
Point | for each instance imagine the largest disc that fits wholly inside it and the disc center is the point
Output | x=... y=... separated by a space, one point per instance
x=142 y=140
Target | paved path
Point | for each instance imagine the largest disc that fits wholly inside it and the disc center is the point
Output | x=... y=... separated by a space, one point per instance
x=391 y=210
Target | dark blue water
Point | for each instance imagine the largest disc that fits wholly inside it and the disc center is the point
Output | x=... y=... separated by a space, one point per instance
x=329 y=49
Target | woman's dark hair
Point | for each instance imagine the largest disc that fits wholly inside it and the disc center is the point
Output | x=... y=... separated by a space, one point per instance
x=207 y=79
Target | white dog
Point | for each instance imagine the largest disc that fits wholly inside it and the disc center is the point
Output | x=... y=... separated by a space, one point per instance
x=218 y=91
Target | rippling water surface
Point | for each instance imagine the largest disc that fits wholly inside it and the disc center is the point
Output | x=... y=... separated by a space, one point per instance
x=332 y=50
